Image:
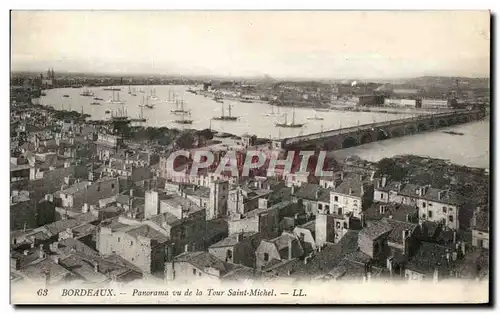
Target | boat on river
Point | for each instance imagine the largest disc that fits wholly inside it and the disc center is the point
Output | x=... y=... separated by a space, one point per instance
x=285 y=124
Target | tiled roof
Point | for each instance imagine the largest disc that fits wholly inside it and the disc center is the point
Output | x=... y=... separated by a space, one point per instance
x=232 y=240
x=147 y=232
x=375 y=230
x=396 y=234
x=204 y=260
x=428 y=257
x=321 y=262
x=36 y=272
x=351 y=184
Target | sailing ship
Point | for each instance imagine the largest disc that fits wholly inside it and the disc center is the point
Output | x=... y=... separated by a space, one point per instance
x=153 y=94
x=114 y=89
x=97 y=98
x=116 y=100
x=184 y=120
x=315 y=117
x=95 y=103
x=120 y=116
x=67 y=96
x=322 y=109
x=171 y=97
x=147 y=104
x=141 y=117
x=274 y=113
x=87 y=93
x=179 y=107
x=131 y=91
x=224 y=117
x=290 y=125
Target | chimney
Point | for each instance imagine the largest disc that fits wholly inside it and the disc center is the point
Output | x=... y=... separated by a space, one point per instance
x=384 y=181
x=362 y=219
x=406 y=234
x=389 y=265
x=41 y=252
x=289 y=249
x=454 y=236
x=96 y=267
x=350 y=191
x=362 y=189
x=239 y=237
x=462 y=246
x=186 y=247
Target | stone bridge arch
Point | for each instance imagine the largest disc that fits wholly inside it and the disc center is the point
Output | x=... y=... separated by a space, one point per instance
x=397 y=132
x=382 y=135
x=431 y=123
x=410 y=129
x=349 y=141
x=365 y=138
x=422 y=127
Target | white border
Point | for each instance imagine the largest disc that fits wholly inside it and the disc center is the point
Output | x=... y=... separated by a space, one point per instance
x=199 y=5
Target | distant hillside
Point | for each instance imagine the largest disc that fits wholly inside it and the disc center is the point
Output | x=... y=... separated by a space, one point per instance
x=427 y=81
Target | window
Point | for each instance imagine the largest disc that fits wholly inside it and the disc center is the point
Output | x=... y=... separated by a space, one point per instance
x=320 y=206
x=444 y=209
x=112 y=185
x=266 y=257
x=381 y=196
x=337 y=224
x=429 y=213
x=302 y=237
x=450 y=218
x=118 y=239
x=430 y=204
x=194 y=271
x=450 y=209
x=423 y=204
x=229 y=254
x=345 y=225
x=131 y=242
x=335 y=198
x=327 y=207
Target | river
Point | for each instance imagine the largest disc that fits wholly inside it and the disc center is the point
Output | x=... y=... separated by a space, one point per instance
x=471 y=149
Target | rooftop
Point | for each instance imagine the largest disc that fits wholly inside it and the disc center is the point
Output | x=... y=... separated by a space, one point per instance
x=203 y=260
x=376 y=230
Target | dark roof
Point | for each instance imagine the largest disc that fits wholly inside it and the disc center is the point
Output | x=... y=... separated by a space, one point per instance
x=396 y=235
x=204 y=260
x=428 y=257
x=313 y=192
x=395 y=210
x=146 y=231
x=232 y=239
x=375 y=230
x=349 y=269
x=351 y=184
x=321 y=262
x=432 y=194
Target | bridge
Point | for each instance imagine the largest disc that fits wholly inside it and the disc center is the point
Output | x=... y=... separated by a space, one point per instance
x=362 y=134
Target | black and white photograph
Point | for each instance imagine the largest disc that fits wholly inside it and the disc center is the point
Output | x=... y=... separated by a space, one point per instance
x=250 y=157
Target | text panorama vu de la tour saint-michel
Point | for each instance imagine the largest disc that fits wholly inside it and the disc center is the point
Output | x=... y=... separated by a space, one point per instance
x=257 y=292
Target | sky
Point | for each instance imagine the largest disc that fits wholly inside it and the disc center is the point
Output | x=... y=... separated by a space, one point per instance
x=305 y=44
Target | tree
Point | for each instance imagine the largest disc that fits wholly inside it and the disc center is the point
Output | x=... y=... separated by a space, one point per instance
x=388 y=166
x=185 y=140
